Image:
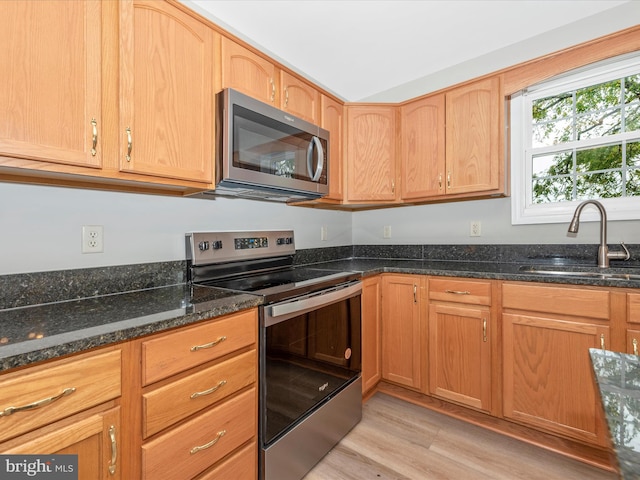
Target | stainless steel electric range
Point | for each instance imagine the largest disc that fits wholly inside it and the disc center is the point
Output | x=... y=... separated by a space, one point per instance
x=309 y=342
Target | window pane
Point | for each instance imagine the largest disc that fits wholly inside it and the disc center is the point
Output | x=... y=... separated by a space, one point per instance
x=552 y=133
x=633 y=183
x=633 y=154
x=552 y=189
x=599 y=124
x=599 y=158
x=560 y=163
x=553 y=108
x=632 y=120
x=598 y=97
x=632 y=88
x=599 y=185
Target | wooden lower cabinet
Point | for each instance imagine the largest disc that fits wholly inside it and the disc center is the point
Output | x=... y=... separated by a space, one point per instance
x=194 y=401
x=460 y=367
x=402 y=330
x=548 y=378
x=371 y=318
x=78 y=413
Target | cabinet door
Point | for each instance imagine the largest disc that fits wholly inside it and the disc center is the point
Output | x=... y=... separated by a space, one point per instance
x=166 y=88
x=371 y=151
x=371 y=317
x=95 y=440
x=299 y=98
x=548 y=378
x=247 y=72
x=633 y=341
x=473 y=137
x=460 y=354
x=50 y=73
x=423 y=169
x=401 y=330
x=332 y=119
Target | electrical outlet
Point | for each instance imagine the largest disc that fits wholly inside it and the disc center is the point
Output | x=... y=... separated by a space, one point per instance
x=386 y=231
x=475 y=229
x=92 y=239
x=323 y=233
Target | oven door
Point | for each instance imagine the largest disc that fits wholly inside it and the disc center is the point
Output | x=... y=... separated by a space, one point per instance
x=310 y=350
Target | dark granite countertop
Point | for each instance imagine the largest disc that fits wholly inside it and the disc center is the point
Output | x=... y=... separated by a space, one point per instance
x=32 y=333
x=41 y=332
x=618 y=379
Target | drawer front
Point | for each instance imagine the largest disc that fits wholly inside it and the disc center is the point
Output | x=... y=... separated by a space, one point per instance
x=96 y=378
x=242 y=465
x=179 y=351
x=199 y=443
x=578 y=302
x=460 y=291
x=633 y=307
x=166 y=405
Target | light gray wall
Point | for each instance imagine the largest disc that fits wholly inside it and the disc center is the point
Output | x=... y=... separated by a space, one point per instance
x=40 y=227
x=448 y=223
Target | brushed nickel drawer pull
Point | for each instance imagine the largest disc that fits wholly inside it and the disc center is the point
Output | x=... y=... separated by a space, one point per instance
x=210 y=444
x=635 y=346
x=208 y=345
x=40 y=403
x=114 y=450
x=415 y=293
x=207 y=392
x=458 y=292
x=94 y=137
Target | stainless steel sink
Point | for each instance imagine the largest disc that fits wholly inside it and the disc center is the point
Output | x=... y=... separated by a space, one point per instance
x=580 y=272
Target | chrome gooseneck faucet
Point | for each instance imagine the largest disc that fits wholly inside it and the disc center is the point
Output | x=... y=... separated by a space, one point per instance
x=603 y=251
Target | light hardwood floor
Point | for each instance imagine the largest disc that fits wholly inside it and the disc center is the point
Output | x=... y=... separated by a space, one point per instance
x=401 y=441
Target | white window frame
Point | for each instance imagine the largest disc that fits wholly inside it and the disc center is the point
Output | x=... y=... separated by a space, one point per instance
x=523 y=210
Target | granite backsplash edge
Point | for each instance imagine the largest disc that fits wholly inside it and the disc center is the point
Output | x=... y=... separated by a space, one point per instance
x=24 y=289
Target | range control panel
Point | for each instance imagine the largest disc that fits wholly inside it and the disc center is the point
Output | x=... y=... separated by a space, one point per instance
x=204 y=248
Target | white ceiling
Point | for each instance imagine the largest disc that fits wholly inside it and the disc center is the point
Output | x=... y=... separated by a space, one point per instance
x=358 y=49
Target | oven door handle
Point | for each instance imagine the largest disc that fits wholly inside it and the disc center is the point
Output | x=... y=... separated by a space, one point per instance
x=283 y=311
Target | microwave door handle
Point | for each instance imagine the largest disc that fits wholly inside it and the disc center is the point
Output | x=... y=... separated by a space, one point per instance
x=315 y=141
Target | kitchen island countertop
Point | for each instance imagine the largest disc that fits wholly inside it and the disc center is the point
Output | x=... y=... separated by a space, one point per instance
x=618 y=379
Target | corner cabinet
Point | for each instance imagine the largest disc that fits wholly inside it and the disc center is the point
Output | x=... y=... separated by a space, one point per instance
x=474 y=138
x=371 y=154
x=50 y=72
x=166 y=92
x=403 y=330
x=460 y=339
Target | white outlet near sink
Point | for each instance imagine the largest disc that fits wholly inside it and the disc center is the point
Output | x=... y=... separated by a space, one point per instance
x=475 y=228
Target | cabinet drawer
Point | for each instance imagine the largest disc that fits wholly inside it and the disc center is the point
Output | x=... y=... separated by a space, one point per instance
x=242 y=465
x=199 y=443
x=633 y=307
x=578 y=302
x=95 y=377
x=460 y=291
x=166 y=405
x=178 y=351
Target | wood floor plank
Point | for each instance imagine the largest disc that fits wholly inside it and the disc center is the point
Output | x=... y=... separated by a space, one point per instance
x=397 y=440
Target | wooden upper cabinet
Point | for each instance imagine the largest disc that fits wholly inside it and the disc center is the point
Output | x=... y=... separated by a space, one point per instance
x=423 y=161
x=474 y=123
x=371 y=153
x=332 y=119
x=166 y=92
x=50 y=78
x=300 y=98
x=248 y=72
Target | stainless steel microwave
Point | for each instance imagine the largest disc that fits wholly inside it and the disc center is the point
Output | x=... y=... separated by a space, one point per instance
x=266 y=153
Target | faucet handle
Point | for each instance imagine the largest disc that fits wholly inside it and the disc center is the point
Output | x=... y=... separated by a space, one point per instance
x=620 y=255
